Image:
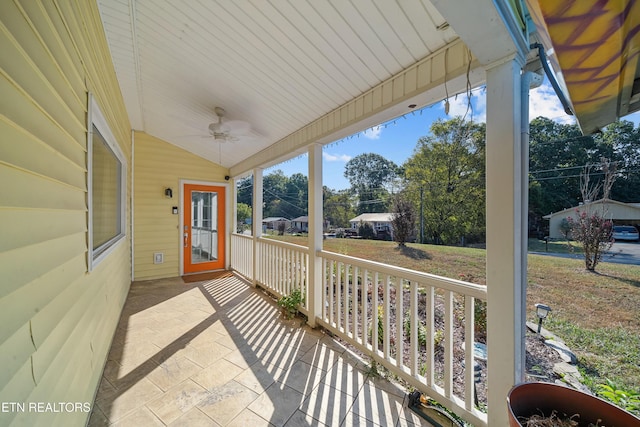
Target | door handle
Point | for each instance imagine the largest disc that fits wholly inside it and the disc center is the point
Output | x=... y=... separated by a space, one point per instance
x=186 y=238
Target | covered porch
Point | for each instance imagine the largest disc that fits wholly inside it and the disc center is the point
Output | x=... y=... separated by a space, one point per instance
x=168 y=94
x=218 y=352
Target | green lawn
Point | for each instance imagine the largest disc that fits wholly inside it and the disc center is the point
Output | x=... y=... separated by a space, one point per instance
x=597 y=314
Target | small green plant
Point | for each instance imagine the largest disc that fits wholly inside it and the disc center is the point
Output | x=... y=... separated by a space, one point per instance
x=290 y=303
x=422 y=331
x=627 y=400
x=380 y=325
x=438 y=338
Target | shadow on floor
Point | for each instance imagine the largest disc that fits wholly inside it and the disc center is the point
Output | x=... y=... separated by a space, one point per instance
x=218 y=352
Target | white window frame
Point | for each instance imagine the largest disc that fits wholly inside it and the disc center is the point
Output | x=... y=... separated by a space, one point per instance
x=97 y=119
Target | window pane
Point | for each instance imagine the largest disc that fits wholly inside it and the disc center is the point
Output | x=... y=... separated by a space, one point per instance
x=106 y=171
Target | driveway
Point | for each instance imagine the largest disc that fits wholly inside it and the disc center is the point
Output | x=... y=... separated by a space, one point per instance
x=620 y=253
x=623 y=253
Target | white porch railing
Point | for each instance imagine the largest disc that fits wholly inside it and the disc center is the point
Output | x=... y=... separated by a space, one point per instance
x=283 y=267
x=360 y=298
x=242 y=254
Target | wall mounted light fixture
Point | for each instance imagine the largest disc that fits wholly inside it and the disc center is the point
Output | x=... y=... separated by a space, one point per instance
x=168 y=193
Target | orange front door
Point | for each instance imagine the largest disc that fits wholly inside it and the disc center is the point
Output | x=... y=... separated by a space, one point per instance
x=204 y=227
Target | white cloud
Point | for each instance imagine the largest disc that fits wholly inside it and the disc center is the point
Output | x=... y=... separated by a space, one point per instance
x=335 y=157
x=373 y=133
x=459 y=106
x=544 y=102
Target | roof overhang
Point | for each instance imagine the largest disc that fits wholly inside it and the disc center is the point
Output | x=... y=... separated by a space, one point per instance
x=594 y=47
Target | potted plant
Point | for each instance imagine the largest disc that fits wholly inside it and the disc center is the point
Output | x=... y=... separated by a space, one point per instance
x=529 y=404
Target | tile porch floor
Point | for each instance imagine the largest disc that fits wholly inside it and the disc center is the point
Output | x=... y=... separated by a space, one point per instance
x=218 y=353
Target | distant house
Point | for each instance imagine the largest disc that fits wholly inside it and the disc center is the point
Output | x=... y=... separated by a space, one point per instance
x=300 y=224
x=380 y=222
x=620 y=213
x=273 y=222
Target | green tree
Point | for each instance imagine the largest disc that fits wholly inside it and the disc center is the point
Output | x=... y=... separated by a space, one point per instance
x=445 y=175
x=243 y=212
x=622 y=143
x=557 y=153
x=370 y=175
x=244 y=190
x=285 y=196
x=338 y=207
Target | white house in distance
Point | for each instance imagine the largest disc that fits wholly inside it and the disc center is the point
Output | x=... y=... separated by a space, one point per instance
x=272 y=222
x=620 y=213
x=380 y=222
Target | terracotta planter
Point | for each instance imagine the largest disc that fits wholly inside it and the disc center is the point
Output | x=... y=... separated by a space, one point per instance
x=525 y=400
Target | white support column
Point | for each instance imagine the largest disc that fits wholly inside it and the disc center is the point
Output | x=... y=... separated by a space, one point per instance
x=256 y=220
x=316 y=219
x=506 y=177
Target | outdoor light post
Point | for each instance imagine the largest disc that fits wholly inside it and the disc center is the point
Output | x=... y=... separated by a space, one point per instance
x=542 y=311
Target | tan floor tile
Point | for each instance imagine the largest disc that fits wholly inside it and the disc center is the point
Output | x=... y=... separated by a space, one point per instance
x=248 y=418
x=378 y=406
x=247 y=356
x=386 y=385
x=174 y=334
x=204 y=354
x=302 y=377
x=355 y=420
x=128 y=400
x=301 y=419
x=123 y=377
x=259 y=377
x=97 y=418
x=194 y=418
x=217 y=375
x=141 y=417
x=244 y=365
x=226 y=402
x=346 y=377
x=173 y=372
x=106 y=389
x=277 y=404
x=178 y=400
x=206 y=335
x=322 y=356
x=327 y=405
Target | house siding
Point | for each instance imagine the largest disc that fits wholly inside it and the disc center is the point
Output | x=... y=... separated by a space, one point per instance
x=619 y=212
x=159 y=165
x=57 y=318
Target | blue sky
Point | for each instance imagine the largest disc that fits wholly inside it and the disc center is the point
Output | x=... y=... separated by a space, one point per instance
x=397 y=139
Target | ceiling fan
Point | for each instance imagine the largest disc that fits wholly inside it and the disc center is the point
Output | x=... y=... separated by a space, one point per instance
x=228 y=130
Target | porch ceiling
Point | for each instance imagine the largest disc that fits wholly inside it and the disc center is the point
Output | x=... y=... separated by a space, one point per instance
x=277 y=65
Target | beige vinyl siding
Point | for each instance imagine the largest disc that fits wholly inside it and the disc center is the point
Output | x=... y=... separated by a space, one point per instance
x=159 y=165
x=57 y=319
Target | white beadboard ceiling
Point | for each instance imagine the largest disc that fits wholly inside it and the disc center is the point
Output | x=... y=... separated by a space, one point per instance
x=276 y=64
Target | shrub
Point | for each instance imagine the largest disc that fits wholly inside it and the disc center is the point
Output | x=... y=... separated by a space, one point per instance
x=290 y=303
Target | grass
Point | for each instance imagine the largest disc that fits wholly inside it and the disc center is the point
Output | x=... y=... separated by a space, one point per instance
x=597 y=314
x=555 y=246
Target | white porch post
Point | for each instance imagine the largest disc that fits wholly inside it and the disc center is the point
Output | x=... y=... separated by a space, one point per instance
x=506 y=178
x=256 y=221
x=316 y=219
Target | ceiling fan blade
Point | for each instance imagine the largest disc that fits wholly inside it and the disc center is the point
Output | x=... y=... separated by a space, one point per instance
x=239 y=127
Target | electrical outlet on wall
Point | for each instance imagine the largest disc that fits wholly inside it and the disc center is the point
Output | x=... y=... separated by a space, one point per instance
x=158 y=258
